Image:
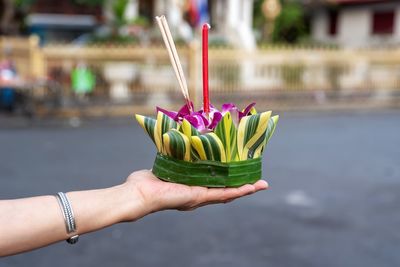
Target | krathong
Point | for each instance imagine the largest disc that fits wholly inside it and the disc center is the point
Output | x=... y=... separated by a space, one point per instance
x=210 y=147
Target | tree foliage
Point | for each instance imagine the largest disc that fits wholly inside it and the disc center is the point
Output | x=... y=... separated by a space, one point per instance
x=290 y=24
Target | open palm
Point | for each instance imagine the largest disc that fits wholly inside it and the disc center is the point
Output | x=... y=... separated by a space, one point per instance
x=160 y=195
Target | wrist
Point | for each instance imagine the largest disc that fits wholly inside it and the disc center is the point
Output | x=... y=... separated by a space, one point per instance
x=133 y=204
x=96 y=209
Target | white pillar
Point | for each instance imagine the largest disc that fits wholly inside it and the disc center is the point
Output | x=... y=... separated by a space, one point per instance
x=132 y=10
x=240 y=33
x=238 y=26
x=174 y=13
x=248 y=13
x=233 y=13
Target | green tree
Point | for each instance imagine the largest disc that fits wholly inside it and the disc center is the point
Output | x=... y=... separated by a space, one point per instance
x=290 y=24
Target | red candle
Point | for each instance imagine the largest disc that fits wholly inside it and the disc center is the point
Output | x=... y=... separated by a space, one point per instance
x=206 y=100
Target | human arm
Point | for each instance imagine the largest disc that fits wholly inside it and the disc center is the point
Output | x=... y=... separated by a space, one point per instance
x=30 y=223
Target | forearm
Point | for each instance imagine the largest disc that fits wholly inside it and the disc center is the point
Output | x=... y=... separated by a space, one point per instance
x=31 y=223
x=35 y=222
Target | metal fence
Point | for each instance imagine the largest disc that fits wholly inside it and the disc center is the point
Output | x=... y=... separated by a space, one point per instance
x=139 y=78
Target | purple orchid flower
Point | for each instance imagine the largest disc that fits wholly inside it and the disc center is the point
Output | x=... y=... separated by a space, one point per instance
x=204 y=123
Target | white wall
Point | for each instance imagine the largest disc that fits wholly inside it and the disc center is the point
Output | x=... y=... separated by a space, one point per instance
x=354 y=27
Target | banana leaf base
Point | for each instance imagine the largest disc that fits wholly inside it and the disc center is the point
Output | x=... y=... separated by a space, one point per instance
x=207 y=173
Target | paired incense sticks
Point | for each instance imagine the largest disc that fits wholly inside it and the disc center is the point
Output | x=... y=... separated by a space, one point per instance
x=173 y=55
x=176 y=64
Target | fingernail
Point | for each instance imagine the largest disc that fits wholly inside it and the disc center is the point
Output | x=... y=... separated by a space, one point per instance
x=266 y=185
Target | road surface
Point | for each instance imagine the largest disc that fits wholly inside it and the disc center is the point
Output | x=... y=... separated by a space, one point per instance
x=334 y=198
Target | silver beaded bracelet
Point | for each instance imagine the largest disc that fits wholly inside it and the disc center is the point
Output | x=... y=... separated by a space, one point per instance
x=68 y=216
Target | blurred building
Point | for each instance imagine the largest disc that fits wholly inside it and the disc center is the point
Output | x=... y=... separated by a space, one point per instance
x=65 y=20
x=357 y=23
x=62 y=20
x=232 y=20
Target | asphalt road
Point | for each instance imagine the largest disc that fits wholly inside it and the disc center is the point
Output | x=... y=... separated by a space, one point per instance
x=334 y=198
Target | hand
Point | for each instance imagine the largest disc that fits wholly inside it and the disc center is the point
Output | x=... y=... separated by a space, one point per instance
x=158 y=195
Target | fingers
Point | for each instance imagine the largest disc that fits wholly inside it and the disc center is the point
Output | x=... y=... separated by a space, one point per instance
x=261 y=185
x=226 y=195
x=223 y=195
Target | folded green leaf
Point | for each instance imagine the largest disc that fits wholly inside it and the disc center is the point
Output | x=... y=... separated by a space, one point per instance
x=251 y=134
x=253 y=111
x=227 y=143
x=163 y=125
x=188 y=129
x=209 y=147
x=273 y=121
x=271 y=130
x=227 y=132
x=147 y=124
x=176 y=145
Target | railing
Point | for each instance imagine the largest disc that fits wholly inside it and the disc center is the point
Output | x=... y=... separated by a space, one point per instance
x=277 y=76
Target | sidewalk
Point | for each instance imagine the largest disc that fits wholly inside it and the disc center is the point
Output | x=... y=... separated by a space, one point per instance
x=278 y=101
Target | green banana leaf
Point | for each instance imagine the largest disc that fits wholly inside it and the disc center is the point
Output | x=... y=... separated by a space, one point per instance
x=207 y=173
x=188 y=129
x=209 y=147
x=176 y=145
x=148 y=124
x=251 y=134
x=227 y=132
x=163 y=125
x=229 y=156
x=273 y=121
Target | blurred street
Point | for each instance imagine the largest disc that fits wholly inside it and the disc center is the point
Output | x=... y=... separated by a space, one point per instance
x=334 y=195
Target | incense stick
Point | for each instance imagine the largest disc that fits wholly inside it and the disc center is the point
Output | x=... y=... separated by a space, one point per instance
x=173 y=55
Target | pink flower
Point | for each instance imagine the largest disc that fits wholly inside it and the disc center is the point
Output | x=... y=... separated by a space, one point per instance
x=204 y=123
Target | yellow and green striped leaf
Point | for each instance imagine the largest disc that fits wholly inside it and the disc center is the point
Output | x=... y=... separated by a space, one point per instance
x=268 y=134
x=253 y=111
x=271 y=129
x=163 y=125
x=251 y=134
x=176 y=145
x=209 y=147
x=273 y=121
x=227 y=132
x=188 y=129
x=147 y=124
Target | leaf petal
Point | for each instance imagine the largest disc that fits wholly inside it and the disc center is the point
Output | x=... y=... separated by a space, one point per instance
x=172 y=114
x=227 y=132
x=176 y=145
x=271 y=130
x=251 y=133
x=188 y=129
x=209 y=147
x=147 y=124
x=163 y=125
x=273 y=121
